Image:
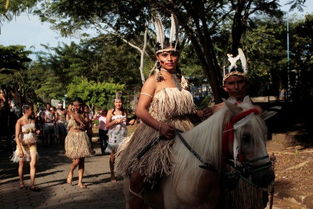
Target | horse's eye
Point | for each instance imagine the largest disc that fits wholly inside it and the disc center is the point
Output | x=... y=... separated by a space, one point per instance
x=246 y=138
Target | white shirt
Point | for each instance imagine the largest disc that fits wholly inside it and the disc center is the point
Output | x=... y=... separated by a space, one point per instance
x=102 y=122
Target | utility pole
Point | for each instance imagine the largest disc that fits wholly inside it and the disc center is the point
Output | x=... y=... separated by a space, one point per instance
x=288 y=64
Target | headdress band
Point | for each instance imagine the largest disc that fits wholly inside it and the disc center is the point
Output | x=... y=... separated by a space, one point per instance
x=118 y=96
x=233 y=73
x=166 y=50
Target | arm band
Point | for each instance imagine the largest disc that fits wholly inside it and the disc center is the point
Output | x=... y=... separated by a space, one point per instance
x=146 y=94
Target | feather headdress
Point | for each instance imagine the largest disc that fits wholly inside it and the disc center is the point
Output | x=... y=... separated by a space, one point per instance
x=160 y=35
x=164 y=44
x=159 y=30
x=233 y=68
x=118 y=96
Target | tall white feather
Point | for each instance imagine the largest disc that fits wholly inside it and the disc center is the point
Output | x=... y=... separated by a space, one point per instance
x=243 y=60
x=159 y=30
x=174 y=28
x=232 y=61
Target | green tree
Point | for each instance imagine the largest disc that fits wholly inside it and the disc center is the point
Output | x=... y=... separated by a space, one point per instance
x=96 y=94
x=265 y=46
x=99 y=59
x=301 y=64
x=200 y=20
x=11 y=8
x=13 y=58
x=14 y=73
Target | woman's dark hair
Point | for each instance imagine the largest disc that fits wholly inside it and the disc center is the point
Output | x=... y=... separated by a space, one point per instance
x=78 y=99
x=26 y=107
x=81 y=102
x=122 y=108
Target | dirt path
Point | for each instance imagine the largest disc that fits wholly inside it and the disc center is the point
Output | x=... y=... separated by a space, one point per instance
x=294 y=179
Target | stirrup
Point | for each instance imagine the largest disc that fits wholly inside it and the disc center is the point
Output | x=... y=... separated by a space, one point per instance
x=138 y=195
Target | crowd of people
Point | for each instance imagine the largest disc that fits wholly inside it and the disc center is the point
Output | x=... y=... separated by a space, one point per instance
x=50 y=120
x=72 y=128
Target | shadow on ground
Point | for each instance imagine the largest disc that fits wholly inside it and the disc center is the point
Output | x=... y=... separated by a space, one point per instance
x=49 y=158
x=295 y=120
x=110 y=196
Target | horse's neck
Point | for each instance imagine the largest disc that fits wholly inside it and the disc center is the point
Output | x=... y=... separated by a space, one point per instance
x=205 y=140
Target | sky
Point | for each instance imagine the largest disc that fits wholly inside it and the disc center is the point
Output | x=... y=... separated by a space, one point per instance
x=28 y=30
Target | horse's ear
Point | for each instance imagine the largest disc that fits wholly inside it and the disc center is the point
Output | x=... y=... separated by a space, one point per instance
x=246 y=103
x=231 y=106
x=270 y=112
x=247 y=100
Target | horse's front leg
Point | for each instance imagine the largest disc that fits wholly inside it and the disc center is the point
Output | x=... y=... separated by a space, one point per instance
x=126 y=192
x=209 y=189
x=203 y=193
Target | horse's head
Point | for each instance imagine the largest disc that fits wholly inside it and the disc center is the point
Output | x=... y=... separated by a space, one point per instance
x=244 y=142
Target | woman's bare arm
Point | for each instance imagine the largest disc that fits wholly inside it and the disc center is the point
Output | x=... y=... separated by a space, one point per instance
x=78 y=119
x=17 y=134
x=145 y=99
x=109 y=122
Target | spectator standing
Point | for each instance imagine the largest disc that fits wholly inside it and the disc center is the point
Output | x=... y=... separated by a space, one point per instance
x=48 y=128
x=103 y=131
x=88 y=116
x=61 y=124
x=117 y=130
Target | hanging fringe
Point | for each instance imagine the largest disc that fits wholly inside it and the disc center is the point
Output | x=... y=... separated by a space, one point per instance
x=169 y=106
x=244 y=196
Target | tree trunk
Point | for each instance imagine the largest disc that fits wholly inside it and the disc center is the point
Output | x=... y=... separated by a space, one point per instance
x=203 y=46
x=142 y=52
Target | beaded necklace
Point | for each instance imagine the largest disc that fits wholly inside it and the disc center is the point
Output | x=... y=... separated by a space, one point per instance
x=174 y=77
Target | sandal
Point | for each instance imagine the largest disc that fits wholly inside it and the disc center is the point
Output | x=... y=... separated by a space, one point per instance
x=34 y=189
x=22 y=186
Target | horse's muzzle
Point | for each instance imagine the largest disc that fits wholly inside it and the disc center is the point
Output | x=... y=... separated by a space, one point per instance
x=263 y=178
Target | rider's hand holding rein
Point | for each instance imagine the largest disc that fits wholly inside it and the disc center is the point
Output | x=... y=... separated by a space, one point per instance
x=167 y=131
x=205 y=113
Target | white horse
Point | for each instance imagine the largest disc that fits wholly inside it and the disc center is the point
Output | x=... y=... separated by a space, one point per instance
x=193 y=187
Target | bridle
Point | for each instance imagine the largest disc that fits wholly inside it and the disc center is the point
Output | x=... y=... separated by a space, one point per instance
x=242 y=170
x=241 y=167
x=246 y=167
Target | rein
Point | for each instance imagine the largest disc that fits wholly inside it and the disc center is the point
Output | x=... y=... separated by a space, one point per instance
x=204 y=165
x=240 y=172
x=228 y=137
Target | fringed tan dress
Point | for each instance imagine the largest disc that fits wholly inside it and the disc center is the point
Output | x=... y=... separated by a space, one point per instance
x=170 y=106
x=77 y=144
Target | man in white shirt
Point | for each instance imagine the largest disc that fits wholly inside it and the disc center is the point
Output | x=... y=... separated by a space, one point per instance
x=103 y=131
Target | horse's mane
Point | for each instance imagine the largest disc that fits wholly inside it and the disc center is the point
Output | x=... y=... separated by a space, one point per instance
x=205 y=139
